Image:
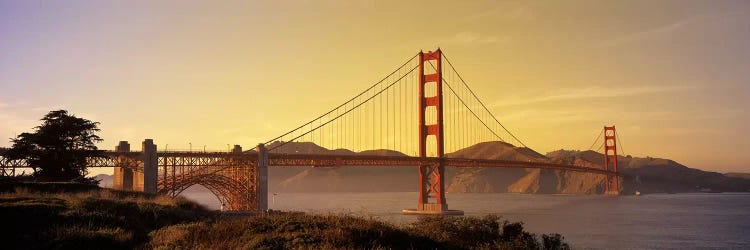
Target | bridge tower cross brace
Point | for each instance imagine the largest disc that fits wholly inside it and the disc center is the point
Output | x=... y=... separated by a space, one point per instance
x=432 y=176
x=611 y=185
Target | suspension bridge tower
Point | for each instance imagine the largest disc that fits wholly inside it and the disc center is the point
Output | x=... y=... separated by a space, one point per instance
x=431 y=176
x=612 y=183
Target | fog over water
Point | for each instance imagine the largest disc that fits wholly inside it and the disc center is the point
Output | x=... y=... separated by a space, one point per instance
x=664 y=221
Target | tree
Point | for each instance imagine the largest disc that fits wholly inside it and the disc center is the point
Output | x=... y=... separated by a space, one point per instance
x=57 y=150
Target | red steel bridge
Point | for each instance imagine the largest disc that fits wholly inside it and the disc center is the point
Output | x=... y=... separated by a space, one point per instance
x=411 y=117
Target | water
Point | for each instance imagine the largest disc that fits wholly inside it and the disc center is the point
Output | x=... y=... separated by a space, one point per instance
x=663 y=221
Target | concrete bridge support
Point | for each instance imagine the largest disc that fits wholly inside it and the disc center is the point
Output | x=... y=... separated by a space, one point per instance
x=126 y=178
x=262 y=178
x=123 y=176
x=232 y=177
x=149 y=177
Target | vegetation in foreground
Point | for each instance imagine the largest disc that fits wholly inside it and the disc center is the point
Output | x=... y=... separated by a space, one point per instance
x=305 y=231
x=82 y=217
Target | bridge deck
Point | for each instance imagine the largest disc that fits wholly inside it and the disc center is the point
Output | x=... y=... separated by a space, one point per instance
x=374 y=160
x=280 y=160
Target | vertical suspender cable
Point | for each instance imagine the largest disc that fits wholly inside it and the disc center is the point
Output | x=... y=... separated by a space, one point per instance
x=622 y=151
x=481 y=103
x=388 y=99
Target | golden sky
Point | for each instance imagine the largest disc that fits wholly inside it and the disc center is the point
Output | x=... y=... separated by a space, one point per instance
x=672 y=75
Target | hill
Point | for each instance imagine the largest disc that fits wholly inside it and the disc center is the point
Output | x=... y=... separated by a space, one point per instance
x=645 y=174
x=304 y=148
x=339 y=179
x=494 y=180
x=738 y=175
x=398 y=178
x=105 y=180
x=657 y=175
x=518 y=180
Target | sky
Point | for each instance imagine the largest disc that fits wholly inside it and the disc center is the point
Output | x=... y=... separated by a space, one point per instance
x=671 y=75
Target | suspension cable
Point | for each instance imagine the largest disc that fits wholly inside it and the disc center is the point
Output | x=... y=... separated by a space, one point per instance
x=480 y=101
x=350 y=100
x=596 y=139
x=601 y=146
x=462 y=101
x=619 y=142
x=353 y=108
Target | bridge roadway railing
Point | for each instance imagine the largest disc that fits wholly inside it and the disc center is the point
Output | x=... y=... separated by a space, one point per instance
x=130 y=159
x=216 y=159
x=279 y=159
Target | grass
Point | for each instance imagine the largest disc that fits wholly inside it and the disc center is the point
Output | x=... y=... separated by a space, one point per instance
x=33 y=216
x=89 y=218
x=306 y=231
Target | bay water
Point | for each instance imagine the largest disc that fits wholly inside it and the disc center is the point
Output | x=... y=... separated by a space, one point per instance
x=654 y=221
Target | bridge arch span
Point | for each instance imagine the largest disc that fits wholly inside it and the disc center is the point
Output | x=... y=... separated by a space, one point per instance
x=233 y=193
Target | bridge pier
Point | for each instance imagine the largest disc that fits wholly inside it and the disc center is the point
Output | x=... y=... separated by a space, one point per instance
x=127 y=179
x=612 y=190
x=123 y=176
x=237 y=149
x=262 y=178
x=149 y=177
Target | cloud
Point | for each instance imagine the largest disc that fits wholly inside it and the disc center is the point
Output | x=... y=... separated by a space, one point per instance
x=476 y=38
x=551 y=116
x=522 y=13
x=517 y=13
x=598 y=115
x=643 y=35
x=545 y=115
x=586 y=93
x=695 y=23
x=685 y=131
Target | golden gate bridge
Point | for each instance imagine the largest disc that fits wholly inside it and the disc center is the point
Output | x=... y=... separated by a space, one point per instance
x=410 y=118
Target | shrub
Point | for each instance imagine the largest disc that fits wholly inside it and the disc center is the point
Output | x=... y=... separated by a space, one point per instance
x=289 y=231
x=554 y=241
x=96 y=219
x=458 y=232
x=305 y=231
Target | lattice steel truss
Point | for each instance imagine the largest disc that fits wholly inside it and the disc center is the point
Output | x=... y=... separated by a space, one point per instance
x=231 y=177
x=8 y=166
